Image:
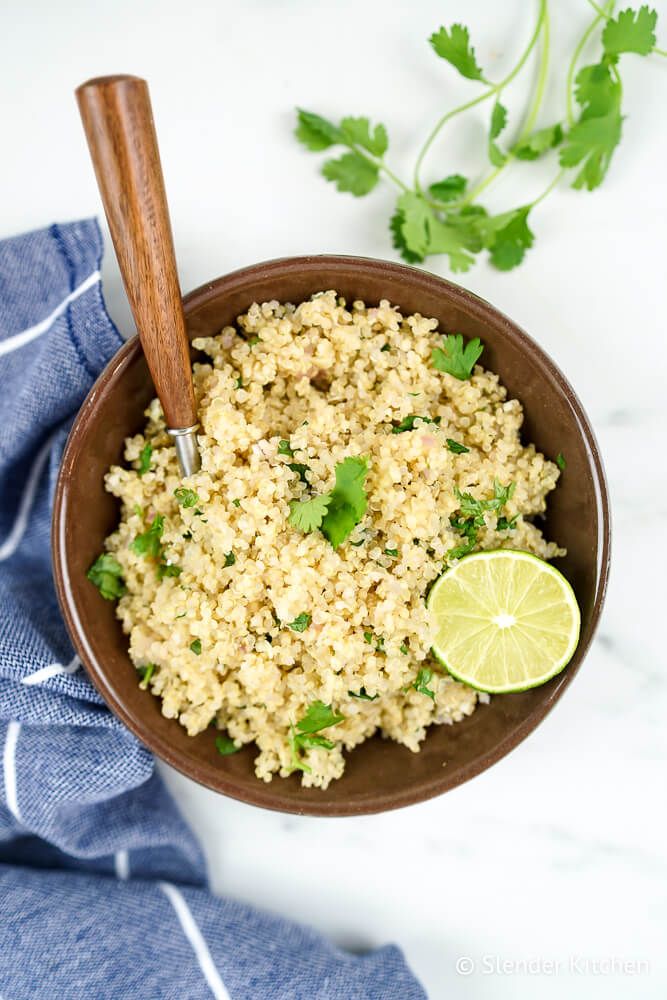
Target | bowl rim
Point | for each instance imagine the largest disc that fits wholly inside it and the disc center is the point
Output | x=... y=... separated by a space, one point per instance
x=269 y=795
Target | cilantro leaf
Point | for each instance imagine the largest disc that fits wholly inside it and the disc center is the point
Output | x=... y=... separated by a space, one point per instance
x=195 y=646
x=592 y=141
x=352 y=172
x=285 y=449
x=498 y=123
x=107 y=575
x=447 y=239
x=560 y=461
x=597 y=91
x=630 y=31
x=315 y=132
x=454 y=46
x=456 y=360
x=537 y=143
x=408 y=423
x=145 y=459
x=507 y=237
x=398 y=240
x=301 y=622
x=456 y=448
x=422 y=232
x=225 y=746
x=230 y=559
x=422 y=681
x=415 y=218
x=319 y=716
x=347 y=500
x=148 y=543
x=391 y=552
x=358 y=132
x=450 y=188
x=185 y=497
x=307 y=515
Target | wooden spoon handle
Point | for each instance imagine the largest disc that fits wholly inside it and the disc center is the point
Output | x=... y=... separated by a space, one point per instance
x=118 y=122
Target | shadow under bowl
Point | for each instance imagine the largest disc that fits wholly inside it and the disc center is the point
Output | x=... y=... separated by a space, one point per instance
x=379 y=774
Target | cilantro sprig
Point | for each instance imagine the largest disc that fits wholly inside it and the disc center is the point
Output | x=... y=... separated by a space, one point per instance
x=338 y=512
x=445 y=216
x=305 y=733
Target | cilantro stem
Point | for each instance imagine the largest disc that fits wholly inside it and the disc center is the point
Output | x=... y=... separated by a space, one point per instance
x=379 y=164
x=548 y=189
x=493 y=89
x=596 y=7
x=600 y=15
x=658 y=52
x=529 y=122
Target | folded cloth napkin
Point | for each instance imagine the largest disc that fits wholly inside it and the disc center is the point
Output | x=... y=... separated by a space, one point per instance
x=103 y=890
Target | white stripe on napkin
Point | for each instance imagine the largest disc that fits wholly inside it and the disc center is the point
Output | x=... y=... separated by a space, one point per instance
x=20 y=339
x=9 y=767
x=13 y=539
x=52 y=670
x=122 y=865
x=194 y=936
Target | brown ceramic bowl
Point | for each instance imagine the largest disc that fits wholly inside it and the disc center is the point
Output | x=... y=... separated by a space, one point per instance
x=379 y=774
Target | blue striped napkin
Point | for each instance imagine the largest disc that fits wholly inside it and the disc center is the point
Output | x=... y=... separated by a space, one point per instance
x=103 y=890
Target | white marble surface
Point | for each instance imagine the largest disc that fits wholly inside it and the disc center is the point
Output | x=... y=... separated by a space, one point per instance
x=557 y=853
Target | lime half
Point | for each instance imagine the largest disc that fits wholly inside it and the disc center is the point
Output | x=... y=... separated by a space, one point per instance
x=503 y=621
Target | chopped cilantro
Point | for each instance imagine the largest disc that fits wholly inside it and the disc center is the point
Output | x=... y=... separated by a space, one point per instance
x=301 y=622
x=186 y=497
x=230 y=559
x=148 y=543
x=455 y=359
x=471 y=517
x=391 y=552
x=146 y=674
x=225 y=746
x=168 y=569
x=408 y=423
x=236 y=503
x=503 y=524
x=456 y=448
x=285 y=449
x=422 y=681
x=145 y=459
x=560 y=461
x=376 y=641
x=405 y=649
x=195 y=646
x=335 y=513
x=362 y=695
x=107 y=575
x=301 y=469
x=319 y=716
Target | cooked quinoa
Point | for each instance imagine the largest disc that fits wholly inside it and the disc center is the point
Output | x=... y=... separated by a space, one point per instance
x=332 y=381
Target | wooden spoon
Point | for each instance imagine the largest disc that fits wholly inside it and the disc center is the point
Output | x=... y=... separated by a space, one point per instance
x=118 y=122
